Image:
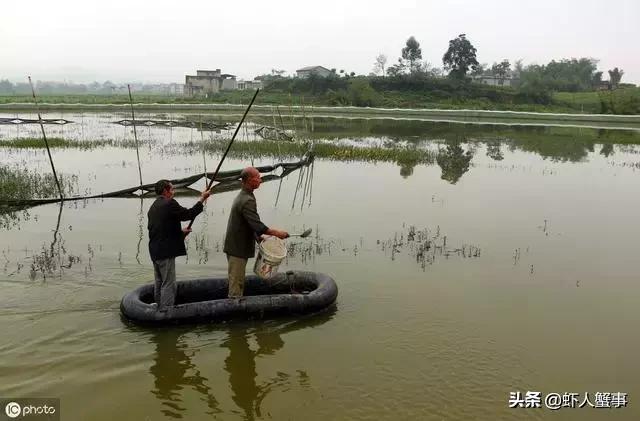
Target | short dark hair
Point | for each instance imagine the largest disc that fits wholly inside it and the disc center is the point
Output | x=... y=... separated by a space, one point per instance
x=161 y=186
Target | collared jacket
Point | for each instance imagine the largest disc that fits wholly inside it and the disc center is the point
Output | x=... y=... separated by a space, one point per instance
x=166 y=238
x=244 y=226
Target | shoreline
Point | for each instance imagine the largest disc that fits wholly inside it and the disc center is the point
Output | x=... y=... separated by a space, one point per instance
x=444 y=115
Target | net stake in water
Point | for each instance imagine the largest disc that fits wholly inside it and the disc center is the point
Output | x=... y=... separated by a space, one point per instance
x=44 y=136
x=135 y=136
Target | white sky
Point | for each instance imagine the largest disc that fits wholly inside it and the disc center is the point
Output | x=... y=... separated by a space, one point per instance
x=163 y=40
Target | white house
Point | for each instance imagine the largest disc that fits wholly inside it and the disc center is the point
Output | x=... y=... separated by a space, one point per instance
x=249 y=84
x=495 y=80
x=317 y=70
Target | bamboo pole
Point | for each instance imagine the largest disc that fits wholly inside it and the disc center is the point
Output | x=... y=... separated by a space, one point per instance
x=306 y=184
x=278 y=195
x=44 y=136
x=311 y=118
x=304 y=114
x=298 y=185
x=135 y=135
x=229 y=145
x=293 y=119
x=311 y=182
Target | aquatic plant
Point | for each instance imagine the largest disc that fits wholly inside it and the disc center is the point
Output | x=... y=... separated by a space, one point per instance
x=19 y=183
x=425 y=245
x=56 y=142
x=327 y=150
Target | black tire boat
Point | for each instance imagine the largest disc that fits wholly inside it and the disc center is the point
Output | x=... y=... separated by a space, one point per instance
x=290 y=293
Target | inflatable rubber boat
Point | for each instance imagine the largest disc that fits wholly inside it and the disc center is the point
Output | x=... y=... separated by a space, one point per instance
x=291 y=292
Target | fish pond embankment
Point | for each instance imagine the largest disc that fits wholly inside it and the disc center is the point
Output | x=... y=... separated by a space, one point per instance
x=458 y=115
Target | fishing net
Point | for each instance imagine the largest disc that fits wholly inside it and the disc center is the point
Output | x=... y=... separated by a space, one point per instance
x=227 y=181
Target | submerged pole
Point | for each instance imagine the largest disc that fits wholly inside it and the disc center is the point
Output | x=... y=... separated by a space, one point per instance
x=44 y=136
x=135 y=136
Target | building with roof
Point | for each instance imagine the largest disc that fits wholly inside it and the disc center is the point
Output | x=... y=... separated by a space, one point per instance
x=309 y=70
x=207 y=82
x=249 y=84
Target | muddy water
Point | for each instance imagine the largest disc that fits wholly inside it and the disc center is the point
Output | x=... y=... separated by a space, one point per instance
x=514 y=269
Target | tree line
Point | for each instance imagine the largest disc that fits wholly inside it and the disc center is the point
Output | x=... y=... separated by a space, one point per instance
x=460 y=61
x=410 y=80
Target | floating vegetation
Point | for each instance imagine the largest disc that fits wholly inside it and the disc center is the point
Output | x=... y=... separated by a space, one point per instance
x=407 y=155
x=425 y=246
x=275 y=149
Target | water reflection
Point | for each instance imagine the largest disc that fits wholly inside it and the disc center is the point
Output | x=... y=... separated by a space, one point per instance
x=247 y=393
x=494 y=152
x=12 y=216
x=241 y=366
x=172 y=370
x=48 y=262
x=454 y=161
x=406 y=168
x=140 y=229
x=606 y=150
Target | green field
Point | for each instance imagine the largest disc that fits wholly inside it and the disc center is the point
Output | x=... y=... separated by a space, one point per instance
x=621 y=101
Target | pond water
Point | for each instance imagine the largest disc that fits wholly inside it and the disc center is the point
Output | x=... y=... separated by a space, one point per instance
x=529 y=281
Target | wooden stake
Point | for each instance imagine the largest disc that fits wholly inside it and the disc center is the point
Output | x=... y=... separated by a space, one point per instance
x=135 y=135
x=44 y=136
x=304 y=114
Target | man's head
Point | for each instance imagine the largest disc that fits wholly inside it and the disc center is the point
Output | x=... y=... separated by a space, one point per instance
x=251 y=178
x=164 y=188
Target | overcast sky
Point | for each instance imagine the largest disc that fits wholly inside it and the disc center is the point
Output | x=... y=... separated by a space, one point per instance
x=162 y=41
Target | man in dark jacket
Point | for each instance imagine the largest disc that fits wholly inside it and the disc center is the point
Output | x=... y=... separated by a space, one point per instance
x=166 y=239
x=243 y=229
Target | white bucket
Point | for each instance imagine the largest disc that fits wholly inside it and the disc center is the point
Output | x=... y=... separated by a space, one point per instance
x=272 y=252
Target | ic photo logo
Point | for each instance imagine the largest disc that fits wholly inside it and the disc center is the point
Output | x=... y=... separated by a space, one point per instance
x=33 y=407
x=13 y=409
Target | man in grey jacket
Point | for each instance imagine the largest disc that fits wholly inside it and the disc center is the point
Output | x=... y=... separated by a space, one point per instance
x=243 y=230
